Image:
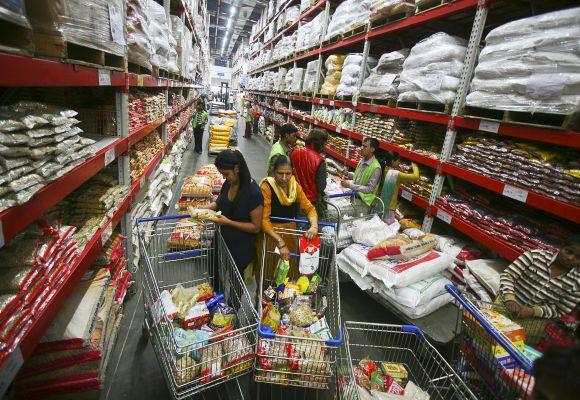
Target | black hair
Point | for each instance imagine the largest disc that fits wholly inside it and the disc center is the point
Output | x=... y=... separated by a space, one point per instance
x=228 y=160
x=286 y=130
x=558 y=369
x=317 y=138
x=392 y=156
x=373 y=142
x=279 y=160
x=572 y=240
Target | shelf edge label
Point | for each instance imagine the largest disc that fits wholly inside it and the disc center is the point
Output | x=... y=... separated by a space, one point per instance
x=373 y=109
x=443 y=216
x=407 y=195
x=104 y=77
x=515 y=193
x=338 y=129
x=10 y=369
x=331 y=103
x=139 y=80
x=106 y=234
x=489 y=126
x=109 y=156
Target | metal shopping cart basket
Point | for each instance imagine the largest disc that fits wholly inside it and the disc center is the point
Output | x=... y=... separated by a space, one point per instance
x=496 y=350
x=396 y=344
x=289 y=357
x=191 y=362
x=347 y=210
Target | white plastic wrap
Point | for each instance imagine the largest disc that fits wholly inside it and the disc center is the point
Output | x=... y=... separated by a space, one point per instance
x=431 y=71
x=14 y=11
x=280 y=83
x=311 y=33
x=164 y=56
x=306 y=4
x=98 y=24
x=310 y=75
x=351 y=72
x=288 y=79
x=531 y=65
x=297 y=79
x=348 y=14
x=383 y=80
x=290 y=16
x=284 y=47
x=385 y=8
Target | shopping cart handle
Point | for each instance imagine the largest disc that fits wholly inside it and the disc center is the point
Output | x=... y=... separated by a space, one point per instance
x=413 y=329
x=265 y=333
x=335 y=342
x=345 y=194
x=179 y=255
x=162 y=218
x=521 y=360
x=300 y=221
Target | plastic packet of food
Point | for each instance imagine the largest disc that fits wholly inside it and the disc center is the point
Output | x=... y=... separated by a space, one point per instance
x=9 y=121
x=17 y=279
x=14 y=151
x=15 y=173
x=33 y=121
x=11 y=163
x=301 y=313
x=367 y=366
x=24 y=195
x=206 y=291
x=25 y=182
x=223 y=315
x=211 y=362
x=282 y=270
x=361 y=378
x=184 y=298
x=236 y=349
x=42 y=152
x=13 y=139
x=271 y=317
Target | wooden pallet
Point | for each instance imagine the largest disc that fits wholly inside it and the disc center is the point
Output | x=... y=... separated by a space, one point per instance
x=163 y=73
x=55 y=47
x=425 y=106
x=334 y=39
x=558 y=121
x=326 y=96
x=138 y=69
x=16 y=39
x=380 y=20
x=378 y=102
x=360 y=28
x=344 y=98
x=429 y=4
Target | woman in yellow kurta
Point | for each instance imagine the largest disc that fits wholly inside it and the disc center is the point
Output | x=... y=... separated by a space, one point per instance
x=392 y=181
x=283 y=198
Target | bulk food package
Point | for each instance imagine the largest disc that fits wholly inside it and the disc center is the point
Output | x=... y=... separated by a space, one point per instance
x=39 y=143
x=352 y=70
x=385 y=8
x=164 y=53
x=531 y=65
x=310 y=34
x=348 y=15
x=310 y=76
x=432 y=70
x=280 y=81
x=139 y=41
x=284 y=47
x=383 y=81
x=333 y=65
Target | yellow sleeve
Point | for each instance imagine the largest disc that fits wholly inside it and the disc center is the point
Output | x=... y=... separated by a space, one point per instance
x=406 y=178
x=305 y=204
x=267 y=194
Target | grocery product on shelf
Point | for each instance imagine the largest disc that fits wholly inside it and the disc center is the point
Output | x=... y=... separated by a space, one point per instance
x=386 y=8
x=333 y=65
x=219 y=138
x=310 y=77
x=348 y=15
x=143 y=152
x=341 y=117
x=529 y=65
x=352 y=72
x=432 y=70
x=310 y=33
x=550 y=171
x=163 y=43
x=144 y=108
x=421 y=187
x=39 y=143
x=139 y=41
x=383 y=81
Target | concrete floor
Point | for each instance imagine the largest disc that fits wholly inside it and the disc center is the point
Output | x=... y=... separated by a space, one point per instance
x=133 y=370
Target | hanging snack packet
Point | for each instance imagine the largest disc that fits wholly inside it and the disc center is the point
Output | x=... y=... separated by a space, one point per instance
x=309 y=255
x=281 y=271
x=320 y=328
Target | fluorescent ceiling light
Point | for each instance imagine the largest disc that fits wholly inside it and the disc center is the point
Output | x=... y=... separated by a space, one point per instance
x=229 y=23
x=232 y=9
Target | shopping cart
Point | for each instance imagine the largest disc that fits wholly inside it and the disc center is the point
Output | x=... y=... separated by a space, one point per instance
x=497 y=368
x=347 y=210
x=191 y=362
x=292 y=359
x=401 y=344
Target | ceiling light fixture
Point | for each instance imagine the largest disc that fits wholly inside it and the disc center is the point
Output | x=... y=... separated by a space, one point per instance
x=232 y=10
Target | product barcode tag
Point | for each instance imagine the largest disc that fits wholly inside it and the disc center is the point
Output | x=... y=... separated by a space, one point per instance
x=331 y=103
x=116 y=23
x=139 y=80
x=106 y=234
x=354 y=103
x=515 y=193
x=338 y=129
x=142 y=183
x=373 y=109
x=407 y=195
x=443 y=216
x=104 y=77
x=109 y=156
x=488 y=126
x=10 y=369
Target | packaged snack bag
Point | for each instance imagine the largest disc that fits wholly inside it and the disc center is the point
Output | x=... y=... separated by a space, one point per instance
x=196 y=316
x=309 y=255
x=281 y=271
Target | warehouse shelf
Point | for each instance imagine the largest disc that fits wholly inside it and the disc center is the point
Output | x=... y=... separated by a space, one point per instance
x=410 y=155
x=340 y=157
x=564 y=137
x=539 y=201
x=409 y=22
x=172 y=139
x=45 y=314
x=15 y=219
x=276 y=15
x=493 y=243
x=414 y=198
x=22 y=71
x=142 y=179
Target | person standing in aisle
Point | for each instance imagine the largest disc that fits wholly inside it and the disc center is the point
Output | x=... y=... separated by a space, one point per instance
x=367 y=175
x=284 y=198
x=248 y=118
x=284 y=145
x=310 y=167
x=392 y=181
x=256 y=117
x=199 y=121
x=241 y=203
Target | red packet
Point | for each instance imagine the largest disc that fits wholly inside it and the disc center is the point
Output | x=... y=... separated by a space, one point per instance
x=309 y=255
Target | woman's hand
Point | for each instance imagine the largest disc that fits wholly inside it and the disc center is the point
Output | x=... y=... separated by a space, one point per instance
x=526 y=312
x=345 y=183
x=311 y=233
x=513 y=307
x=284 y=250
x=219 y=219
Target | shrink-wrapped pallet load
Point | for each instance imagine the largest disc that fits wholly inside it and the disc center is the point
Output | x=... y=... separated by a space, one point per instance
x=383 y=80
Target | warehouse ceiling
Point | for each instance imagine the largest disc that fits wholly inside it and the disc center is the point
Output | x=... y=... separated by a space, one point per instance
x=231 y=20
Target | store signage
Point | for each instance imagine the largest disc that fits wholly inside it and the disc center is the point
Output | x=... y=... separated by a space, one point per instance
x=489 y=126
x=109 y=156
x=443 y=216
x=407 y=195
x=104 y=77
x=515 y=193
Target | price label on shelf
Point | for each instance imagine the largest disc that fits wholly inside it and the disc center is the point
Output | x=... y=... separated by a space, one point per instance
x=116 y=23
x=160 y=82
x=488 y=126
x=109 y=156
x=139 y=80
x=443 y=216
x=106 y=234
x=10 y=369
x=354 y=103
x=331 y=103
x=104 y=77
x=407 y=195
x=373 y=109
x=141 y=183
x=515 y=193
x=338 y=129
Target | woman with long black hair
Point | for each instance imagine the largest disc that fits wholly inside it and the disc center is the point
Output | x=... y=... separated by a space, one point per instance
x=241 y=204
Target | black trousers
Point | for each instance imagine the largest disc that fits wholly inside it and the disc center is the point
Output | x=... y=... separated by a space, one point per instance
x=198 y=137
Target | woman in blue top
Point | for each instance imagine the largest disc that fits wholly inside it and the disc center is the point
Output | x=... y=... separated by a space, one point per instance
x=241 y=204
